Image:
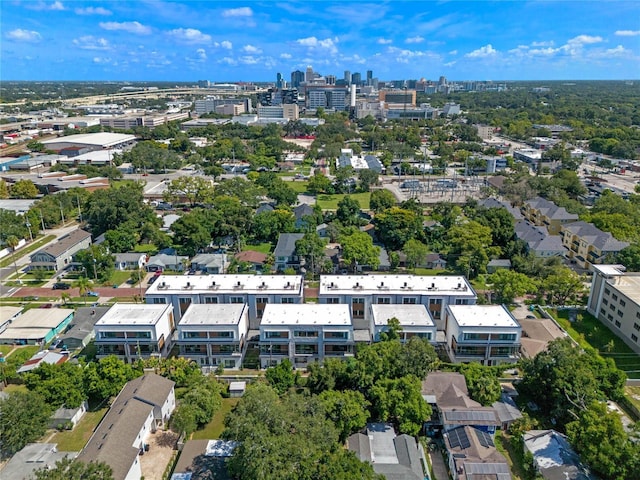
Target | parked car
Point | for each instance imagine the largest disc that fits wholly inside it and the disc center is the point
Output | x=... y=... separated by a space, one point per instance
x=61 y=286
x=93 y=294
x=46 y=305
x=55 y=344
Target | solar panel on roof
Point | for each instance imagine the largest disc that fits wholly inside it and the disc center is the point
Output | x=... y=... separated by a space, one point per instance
x=485 y=439
x=470 y=415
x=459 y=438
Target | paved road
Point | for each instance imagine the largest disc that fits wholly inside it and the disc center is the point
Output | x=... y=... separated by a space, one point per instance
x=103 y=292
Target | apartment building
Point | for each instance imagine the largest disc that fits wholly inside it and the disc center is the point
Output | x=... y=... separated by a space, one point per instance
x=284 y=111
x=586 y=244
x=545 y=213
x=487 y=334
x=214 y=335
x=614 y=298
x=209 y=104
x=414 y=321
x=363 y=291
x=132 y=331
x=305 y=334
x=254 y=290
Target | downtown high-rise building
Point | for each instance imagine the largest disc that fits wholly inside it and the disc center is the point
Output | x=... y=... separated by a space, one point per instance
x=347 y=77
x=369 y=77
x=297 y=78
x=356 y=78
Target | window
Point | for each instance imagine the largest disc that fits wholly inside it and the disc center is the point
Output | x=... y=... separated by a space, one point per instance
x=634 y=337
x=220 y=334
x=306 y=349
x=617 y=324
x=357 y=300
x=305 y=334
x=333 y=300
x=605 y=301
x=158 y=301
x=210 y=300
x=610 y=317
x=287 y=300
x=138 y=334
x=636 y=326
x=612 y=307
x=435 y=301
x=187 y=335
x=409 y=301
x=607 y=291
x=475 y=336
x=236 y=300
x=384 y=301
x=637 y=314
x=229 y=364
x=614 y=297
x=622 y=303
x=280 y=334
x=603 y=311
x=336 y=335
x=262 y=300
x=461 y=301
x=619 y=313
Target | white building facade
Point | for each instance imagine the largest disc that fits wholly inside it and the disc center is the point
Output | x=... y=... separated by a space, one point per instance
x=414 y=321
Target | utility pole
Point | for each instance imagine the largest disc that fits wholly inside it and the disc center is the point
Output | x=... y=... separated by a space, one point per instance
x=79 y=210
x=61 y=213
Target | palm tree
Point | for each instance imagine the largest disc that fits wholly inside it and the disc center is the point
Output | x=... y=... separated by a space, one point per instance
x=65 y=297
x=12 y=242
x=83 y=284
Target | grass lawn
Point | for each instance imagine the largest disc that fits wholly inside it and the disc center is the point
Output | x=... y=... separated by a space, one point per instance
x=503 y=445
x=591 y=332
x=215 y=427
x=75 y=440
x=12 y=388
x=28 y=249
x=4 y=349
x=260 y=247
x=299 y=186
x=633 y=394
x=330 y=202
x=430 y=271
x=146 y=248
x=118 y=277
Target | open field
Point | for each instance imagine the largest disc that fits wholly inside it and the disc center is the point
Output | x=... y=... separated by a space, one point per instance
x=330 y=202
x=214 y=428
x=75 y=440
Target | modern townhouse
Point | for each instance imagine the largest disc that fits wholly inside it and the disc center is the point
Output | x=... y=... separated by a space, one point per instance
x=414 y=321
x=487 y=334
x=256 y=291
x=363 y=291
x=545 y=213
x=214 y=334
x=305 y=334
x=614 y=298
x=132 y=331
x=587 y=245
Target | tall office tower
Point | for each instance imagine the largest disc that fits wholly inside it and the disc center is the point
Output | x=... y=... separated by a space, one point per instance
x=369 y=77
x=308 y=76
x=297 y=77
x=279 y=80
x=356 y=78
x=347 y=77
x=442 y=81
x=330 y=79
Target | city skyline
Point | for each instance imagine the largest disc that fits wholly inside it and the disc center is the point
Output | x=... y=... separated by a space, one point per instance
x=251 y=41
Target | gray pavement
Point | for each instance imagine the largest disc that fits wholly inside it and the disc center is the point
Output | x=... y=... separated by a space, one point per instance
x=440 y=471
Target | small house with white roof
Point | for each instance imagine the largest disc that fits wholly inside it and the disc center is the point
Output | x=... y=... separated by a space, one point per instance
x=305 y=333
x=214 y=334
x=487 y=334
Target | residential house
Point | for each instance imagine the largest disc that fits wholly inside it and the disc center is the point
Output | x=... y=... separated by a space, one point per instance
x=42 y=357
x=414 y=320
x=507 y=410
x=614 y=298
x=305 y=333
x=211 y=263
x=498 y=264
x=542 y=212
x=357 y=162
x=285 y=252
x=472 y=454
x=301 y=213
x=59 y=255
x=254 y=290
x=37 y=326
x=32 y=457
x=132 y=331
x=586 y=244
x=142 y=406
x=130 y=261
x=396 y=457
x=214 y=334
x=164 y=261
x=67 y=418
x=204 y=460
x=323 y=230
x=553 y=456
x=362 y=291
x=264 y=207
x=488 y=334
x=81 y=329
x=255 y=259
x=539 y=241
x=492 y=202
x=435 y=261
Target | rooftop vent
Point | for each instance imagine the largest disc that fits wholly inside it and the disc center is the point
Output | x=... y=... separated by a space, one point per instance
x=162 y=285
x=357 y=286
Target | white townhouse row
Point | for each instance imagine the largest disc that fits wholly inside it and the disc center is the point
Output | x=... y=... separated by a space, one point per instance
x=256 y=291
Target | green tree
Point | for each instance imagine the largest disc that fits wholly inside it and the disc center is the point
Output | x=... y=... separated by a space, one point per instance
x=630 y=257
x=470 y=248
x=319 y=183
x=416 y=252
x=347 y=411
x=192 y=232
x=268 y=225
x=4 y=189
x=58 y=384
x=343 y=177
x=24 y=417
x=400 y=401
x=508 y=284
x=358 y=250
x=183 y=419
x=104 y=379
x=84 y=286
x=24 y=189
x=348 y=211
x=482 y=382
x=311 y=248
x=281 y=377
x=193 y=189
x=381 y=200
x=98 y=262
x=12 y=242
x=122 y=239
x=396 y=226
x=367 y=179
x=69 y=469
x=563 y=286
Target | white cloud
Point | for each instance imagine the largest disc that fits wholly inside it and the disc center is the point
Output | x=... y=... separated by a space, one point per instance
x=92 y=11
x=618 y=51
x=627 y=33
x=20 y=35
x=131 y=27
x=89 y=42
x=201 y=53
x=251 y=49
x=542 y=44
x=384 y=41
x=101 y=60
x=286 y=56
x=453 y=52
x=416 y=39
x=450 y=64
x=226 y=44
x=312 y=42
x=238 y=12
x=584 y=40
x=58 y=6
x=249 y=60
x=189 y=35
x=228 y=61
x=402 y=55
x=483 y=52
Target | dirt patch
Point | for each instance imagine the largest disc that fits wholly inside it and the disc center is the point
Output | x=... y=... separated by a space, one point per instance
x=161 y=449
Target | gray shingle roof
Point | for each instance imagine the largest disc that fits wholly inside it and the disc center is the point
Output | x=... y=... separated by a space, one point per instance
x=287 y=244
x=65 y=243
x=551 y=210
x=603 y=241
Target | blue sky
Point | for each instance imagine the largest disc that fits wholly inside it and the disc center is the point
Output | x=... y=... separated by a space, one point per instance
x=252 y=41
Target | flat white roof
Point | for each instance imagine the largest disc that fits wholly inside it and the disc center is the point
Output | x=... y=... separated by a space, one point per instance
x=7 y=313
x=97 y=156
x=306 y=314
x=609 y=270
x=131 y=314
x=254 y=284
x=395 y=285
x=41 y=318
x=212 y=314
x=37 y=333
x=629 y=285
x=408 y=315
x=103 y=139
x=483 y=316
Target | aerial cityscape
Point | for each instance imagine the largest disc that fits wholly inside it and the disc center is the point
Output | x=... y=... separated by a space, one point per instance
x=319 y=240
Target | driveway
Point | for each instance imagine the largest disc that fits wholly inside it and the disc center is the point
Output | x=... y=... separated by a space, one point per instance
x=154 y=462
x=440 y=471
